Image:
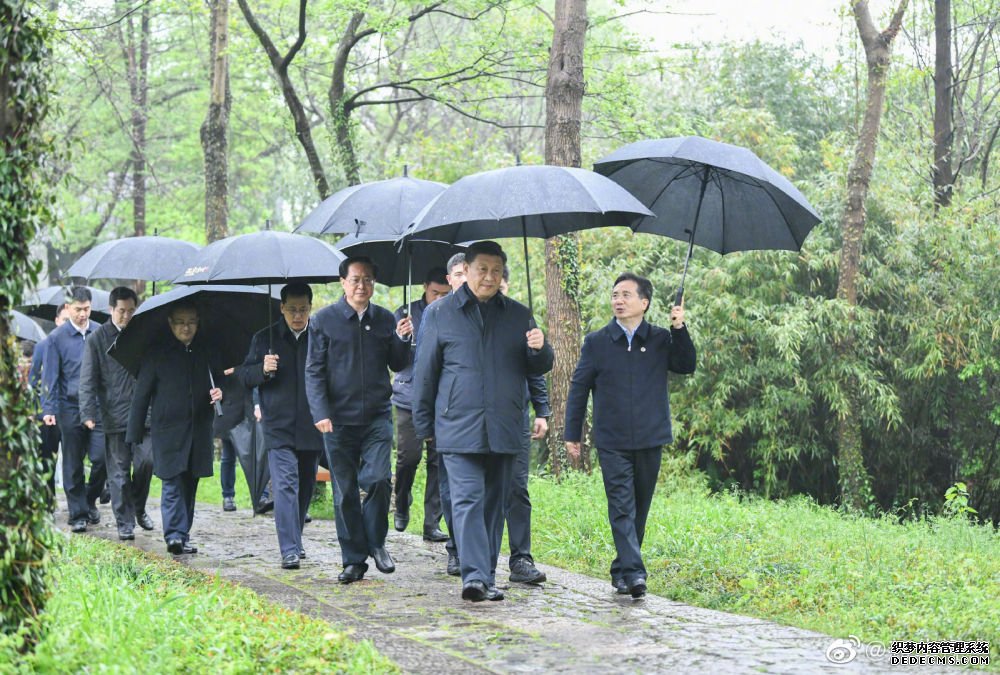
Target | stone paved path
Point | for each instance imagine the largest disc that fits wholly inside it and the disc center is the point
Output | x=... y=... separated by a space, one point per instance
x=571 y=624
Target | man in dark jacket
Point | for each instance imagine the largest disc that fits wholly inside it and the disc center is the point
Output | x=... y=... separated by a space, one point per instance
x=408 y=448
x=352 y=345
x=474 y=354
x=276 y=364
x=49 y=448
x=105 y=396
x=61 y=405
x=175 y=380
x=625 y=364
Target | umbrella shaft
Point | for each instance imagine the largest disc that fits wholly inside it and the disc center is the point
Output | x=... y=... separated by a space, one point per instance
x=694 y=228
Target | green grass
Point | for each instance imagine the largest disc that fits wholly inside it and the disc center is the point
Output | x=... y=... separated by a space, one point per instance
x=116 y=609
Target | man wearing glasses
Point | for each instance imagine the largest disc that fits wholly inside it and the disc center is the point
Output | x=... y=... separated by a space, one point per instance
x=352 y=345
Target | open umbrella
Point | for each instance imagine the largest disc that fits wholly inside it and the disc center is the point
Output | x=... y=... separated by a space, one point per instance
x=24 y=328
x=719 y=196
x=45 y=303
x=399 y=267
x=147 y=258
x=525 y=201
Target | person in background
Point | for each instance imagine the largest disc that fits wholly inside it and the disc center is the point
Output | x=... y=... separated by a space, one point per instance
x=49 y=448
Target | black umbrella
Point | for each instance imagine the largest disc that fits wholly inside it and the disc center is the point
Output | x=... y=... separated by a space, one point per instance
x=525 y=201
x=24 y=328
x=45 y=303
x=147 y=258
x=248 y=439
x=719 y=196
x=384 y=207
x=399 y=267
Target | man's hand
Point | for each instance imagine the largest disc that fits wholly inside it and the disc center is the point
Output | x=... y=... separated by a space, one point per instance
x=325 y=426
x=256 y=412
x=539 y=428
x=49 y=420
x=536 y=339
x=572 y=450
x=215 y=395
x=404 y=328
x=90 y=424
x=229 y=371
x=270 y=364
x=677 y=316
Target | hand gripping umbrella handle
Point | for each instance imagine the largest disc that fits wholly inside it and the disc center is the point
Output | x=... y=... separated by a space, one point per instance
x=218 y=406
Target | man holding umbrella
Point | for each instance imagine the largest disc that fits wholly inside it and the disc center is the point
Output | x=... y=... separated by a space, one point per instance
x=352 y=344
x=176 y=384
x=105 y=396
x=476 y=349
x=293 y=442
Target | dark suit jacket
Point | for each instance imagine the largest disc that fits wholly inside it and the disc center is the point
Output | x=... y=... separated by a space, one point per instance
x=631 y=397
x=469 y=389
x=105 y=386
x=284 y=406
x=173 y=380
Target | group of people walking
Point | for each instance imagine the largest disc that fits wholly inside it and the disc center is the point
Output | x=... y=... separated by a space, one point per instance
x=469 y=395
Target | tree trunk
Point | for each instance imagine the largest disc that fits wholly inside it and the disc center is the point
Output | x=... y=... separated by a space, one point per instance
x=340 y=110
x=855 y=484
x=563 y=114
x=944 y=177
x=137 y=72
x=215 y=128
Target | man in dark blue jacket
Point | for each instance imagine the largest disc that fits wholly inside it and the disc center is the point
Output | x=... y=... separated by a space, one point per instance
x=408 y=448
x=276 y=364
x=625 y=365
x=474 y=354
x=49 y=448
x=61 y=405
x=352 y=345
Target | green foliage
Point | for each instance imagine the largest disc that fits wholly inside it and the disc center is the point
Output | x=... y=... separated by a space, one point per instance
x=164 y=617
x=26 y=537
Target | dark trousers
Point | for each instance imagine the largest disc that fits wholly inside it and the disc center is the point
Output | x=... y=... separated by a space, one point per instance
x=293 y=476
x=130 y=469
x=48 y=451
x=227 y=467
x=79 y=442
x=408 y=453
x=519 y=505
x=479 y=484
x=629 y=480
x=445 y=491
x=177 y=505
x=359 y=457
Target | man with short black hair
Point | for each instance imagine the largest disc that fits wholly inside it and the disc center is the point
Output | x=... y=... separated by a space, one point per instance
x=408 y=448
x=61 y=405
x=106 y=390
x=475 y=352
x=352 y=345
x=625 y=365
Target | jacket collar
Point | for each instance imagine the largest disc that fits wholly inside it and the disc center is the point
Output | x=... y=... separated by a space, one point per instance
x=466 y=297
x=349 y=311
x=642 y=330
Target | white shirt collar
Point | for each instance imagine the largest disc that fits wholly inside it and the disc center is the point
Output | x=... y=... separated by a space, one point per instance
x=81 y=331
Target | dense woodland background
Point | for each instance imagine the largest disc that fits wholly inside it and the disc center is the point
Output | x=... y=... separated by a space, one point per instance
x=198 y=120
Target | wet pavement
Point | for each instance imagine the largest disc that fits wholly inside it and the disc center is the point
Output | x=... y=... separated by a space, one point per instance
x=570 y=624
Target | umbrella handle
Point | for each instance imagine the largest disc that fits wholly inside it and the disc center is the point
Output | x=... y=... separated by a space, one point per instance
x=216 y=404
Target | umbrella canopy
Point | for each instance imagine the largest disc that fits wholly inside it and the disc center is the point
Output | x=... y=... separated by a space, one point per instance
x=24 y=328
x=392 y=257
x=384 y=207
x=147 y=258
x=228 y=318
x=45 y=303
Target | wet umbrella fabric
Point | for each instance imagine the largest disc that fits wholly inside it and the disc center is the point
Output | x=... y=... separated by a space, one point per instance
x=392 y=257
x=248 y=439
x=147 y=258
x=45 y=303
x=384 y=207
x=718 y=196
x=25 y=328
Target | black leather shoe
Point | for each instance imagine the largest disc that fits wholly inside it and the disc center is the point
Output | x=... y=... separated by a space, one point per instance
x=621 y=588
x=637 y=588
x=125 y=533
x=93 y=516
x=265 y=505
x=188 y=548
x=435 y=534
x=308 y=518
x=401 y=520
x=290 y=562
x=494 y=593
x=353 y=573
x=454 y=566
x=302 y=553
x=78 y=525
x=228 y=504
x=383 y=561
x=523 y=571
x=475 y=591
x=175 y=547
x=144 y=521
x=105 y=496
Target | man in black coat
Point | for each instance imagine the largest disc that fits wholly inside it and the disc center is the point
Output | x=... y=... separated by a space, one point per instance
x=276 y=364
x=408 y=448
x=625 y=365
x=352 y=345
x=474 y=354
x=105 y=396
x=174 y=384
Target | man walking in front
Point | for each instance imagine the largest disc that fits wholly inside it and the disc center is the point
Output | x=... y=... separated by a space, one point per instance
x=352 y=345
x=276 y=364
x=105 y=396
x=625 y=365
x=61 y=405
x=474 y=354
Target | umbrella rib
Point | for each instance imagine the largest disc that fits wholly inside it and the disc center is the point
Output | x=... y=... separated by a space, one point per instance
x=680 y=174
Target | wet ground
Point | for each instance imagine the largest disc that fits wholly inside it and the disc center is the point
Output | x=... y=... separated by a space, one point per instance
x=415 y=616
